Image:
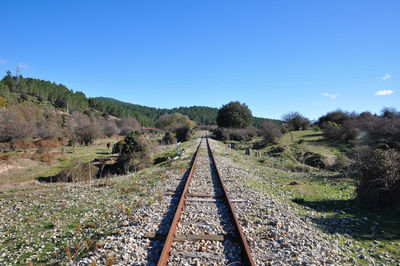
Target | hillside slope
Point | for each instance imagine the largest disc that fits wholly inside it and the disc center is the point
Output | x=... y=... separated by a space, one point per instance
x=40 y=92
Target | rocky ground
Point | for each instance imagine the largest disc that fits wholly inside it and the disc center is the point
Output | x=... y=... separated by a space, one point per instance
x=276 y=233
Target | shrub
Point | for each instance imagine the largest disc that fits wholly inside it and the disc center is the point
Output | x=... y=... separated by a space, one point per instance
x=338 y=117
x=234 y=115
x=47 y=157
x=168 y=139
x=47 y=143
x=379 y=170
x=389 y=112
x=136 y=153
x=5 y=147
x=117 y=147
x=172 y=122
x=127 y=124
x=384 y=130
x=42 y=150
x=24 y=144
x=270 y=132
x=82 y=129
x=345 y=132
x=13 y=129
x=240 y=134
x=182 y=133
x=237 y=134
x=110 y=128
x=221 y=133
x=5 y=157
x=295 y=121
x=87 y=134
x=48 y=130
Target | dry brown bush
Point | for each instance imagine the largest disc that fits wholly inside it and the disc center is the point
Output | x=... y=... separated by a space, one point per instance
x=379 y=170
x=5 y=157
x=47 y=158
x=127 y=124
x=5 y=147
x=49 y=143
x=22 y=144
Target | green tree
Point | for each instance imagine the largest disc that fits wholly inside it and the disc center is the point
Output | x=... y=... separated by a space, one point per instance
x=9 y=81
x=4 y=91
x=171 y=122
x=234 y=115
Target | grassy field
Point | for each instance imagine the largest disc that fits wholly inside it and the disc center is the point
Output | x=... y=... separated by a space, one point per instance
x=52 y=223
x=326 y=198
x=25 y=169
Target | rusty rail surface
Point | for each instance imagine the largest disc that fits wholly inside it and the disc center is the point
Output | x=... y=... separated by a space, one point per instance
x=248 y=259
x=246 y=254
x=171 y=234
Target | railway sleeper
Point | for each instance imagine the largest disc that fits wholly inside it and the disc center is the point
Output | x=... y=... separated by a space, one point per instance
x=193 y=237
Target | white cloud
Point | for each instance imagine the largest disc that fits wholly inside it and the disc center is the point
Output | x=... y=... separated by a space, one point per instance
x=332 y=96
x=386 y=76
x=3 y=61
x=23 y=65
x=383 y=92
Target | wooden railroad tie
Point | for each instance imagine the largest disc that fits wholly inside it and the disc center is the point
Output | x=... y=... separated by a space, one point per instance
x=191 y=237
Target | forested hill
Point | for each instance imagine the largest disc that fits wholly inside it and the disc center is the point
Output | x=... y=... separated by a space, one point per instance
x=19 y=90
x=202 y=115
x=148 y=115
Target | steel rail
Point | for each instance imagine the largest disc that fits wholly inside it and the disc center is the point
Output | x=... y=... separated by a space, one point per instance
x=171 y=233
x=248 y=259
x=246 y=254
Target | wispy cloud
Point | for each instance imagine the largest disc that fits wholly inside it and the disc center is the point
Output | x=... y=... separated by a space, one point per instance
x=23 y=65
x=386 y=76
x=3 y=61
x=332 y=96
x=383 y=92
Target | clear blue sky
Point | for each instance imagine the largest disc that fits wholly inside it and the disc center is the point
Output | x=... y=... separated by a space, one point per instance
x=275 y=56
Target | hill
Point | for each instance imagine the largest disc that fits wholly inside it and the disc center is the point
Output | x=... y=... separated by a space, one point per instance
x=40 y=92
x=202 y=115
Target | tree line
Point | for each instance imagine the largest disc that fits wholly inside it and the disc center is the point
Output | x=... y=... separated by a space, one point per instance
x=57 y=94
x=62 y=97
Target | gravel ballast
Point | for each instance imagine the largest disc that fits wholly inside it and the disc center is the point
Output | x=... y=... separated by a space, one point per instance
x=276 y=233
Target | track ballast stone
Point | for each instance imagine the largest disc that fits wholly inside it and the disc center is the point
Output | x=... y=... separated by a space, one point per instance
x=276 y=234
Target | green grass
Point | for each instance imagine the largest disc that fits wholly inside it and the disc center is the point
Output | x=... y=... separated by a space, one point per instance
x=309 y=135
x=65 y=157
x=326 y=198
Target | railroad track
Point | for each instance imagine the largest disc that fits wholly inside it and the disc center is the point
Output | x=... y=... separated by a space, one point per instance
x=205 y=228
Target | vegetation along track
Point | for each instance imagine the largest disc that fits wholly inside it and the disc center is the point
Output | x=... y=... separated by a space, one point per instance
x=205 y=228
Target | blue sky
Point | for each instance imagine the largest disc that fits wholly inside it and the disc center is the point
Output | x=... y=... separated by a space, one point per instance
x=275 y=56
